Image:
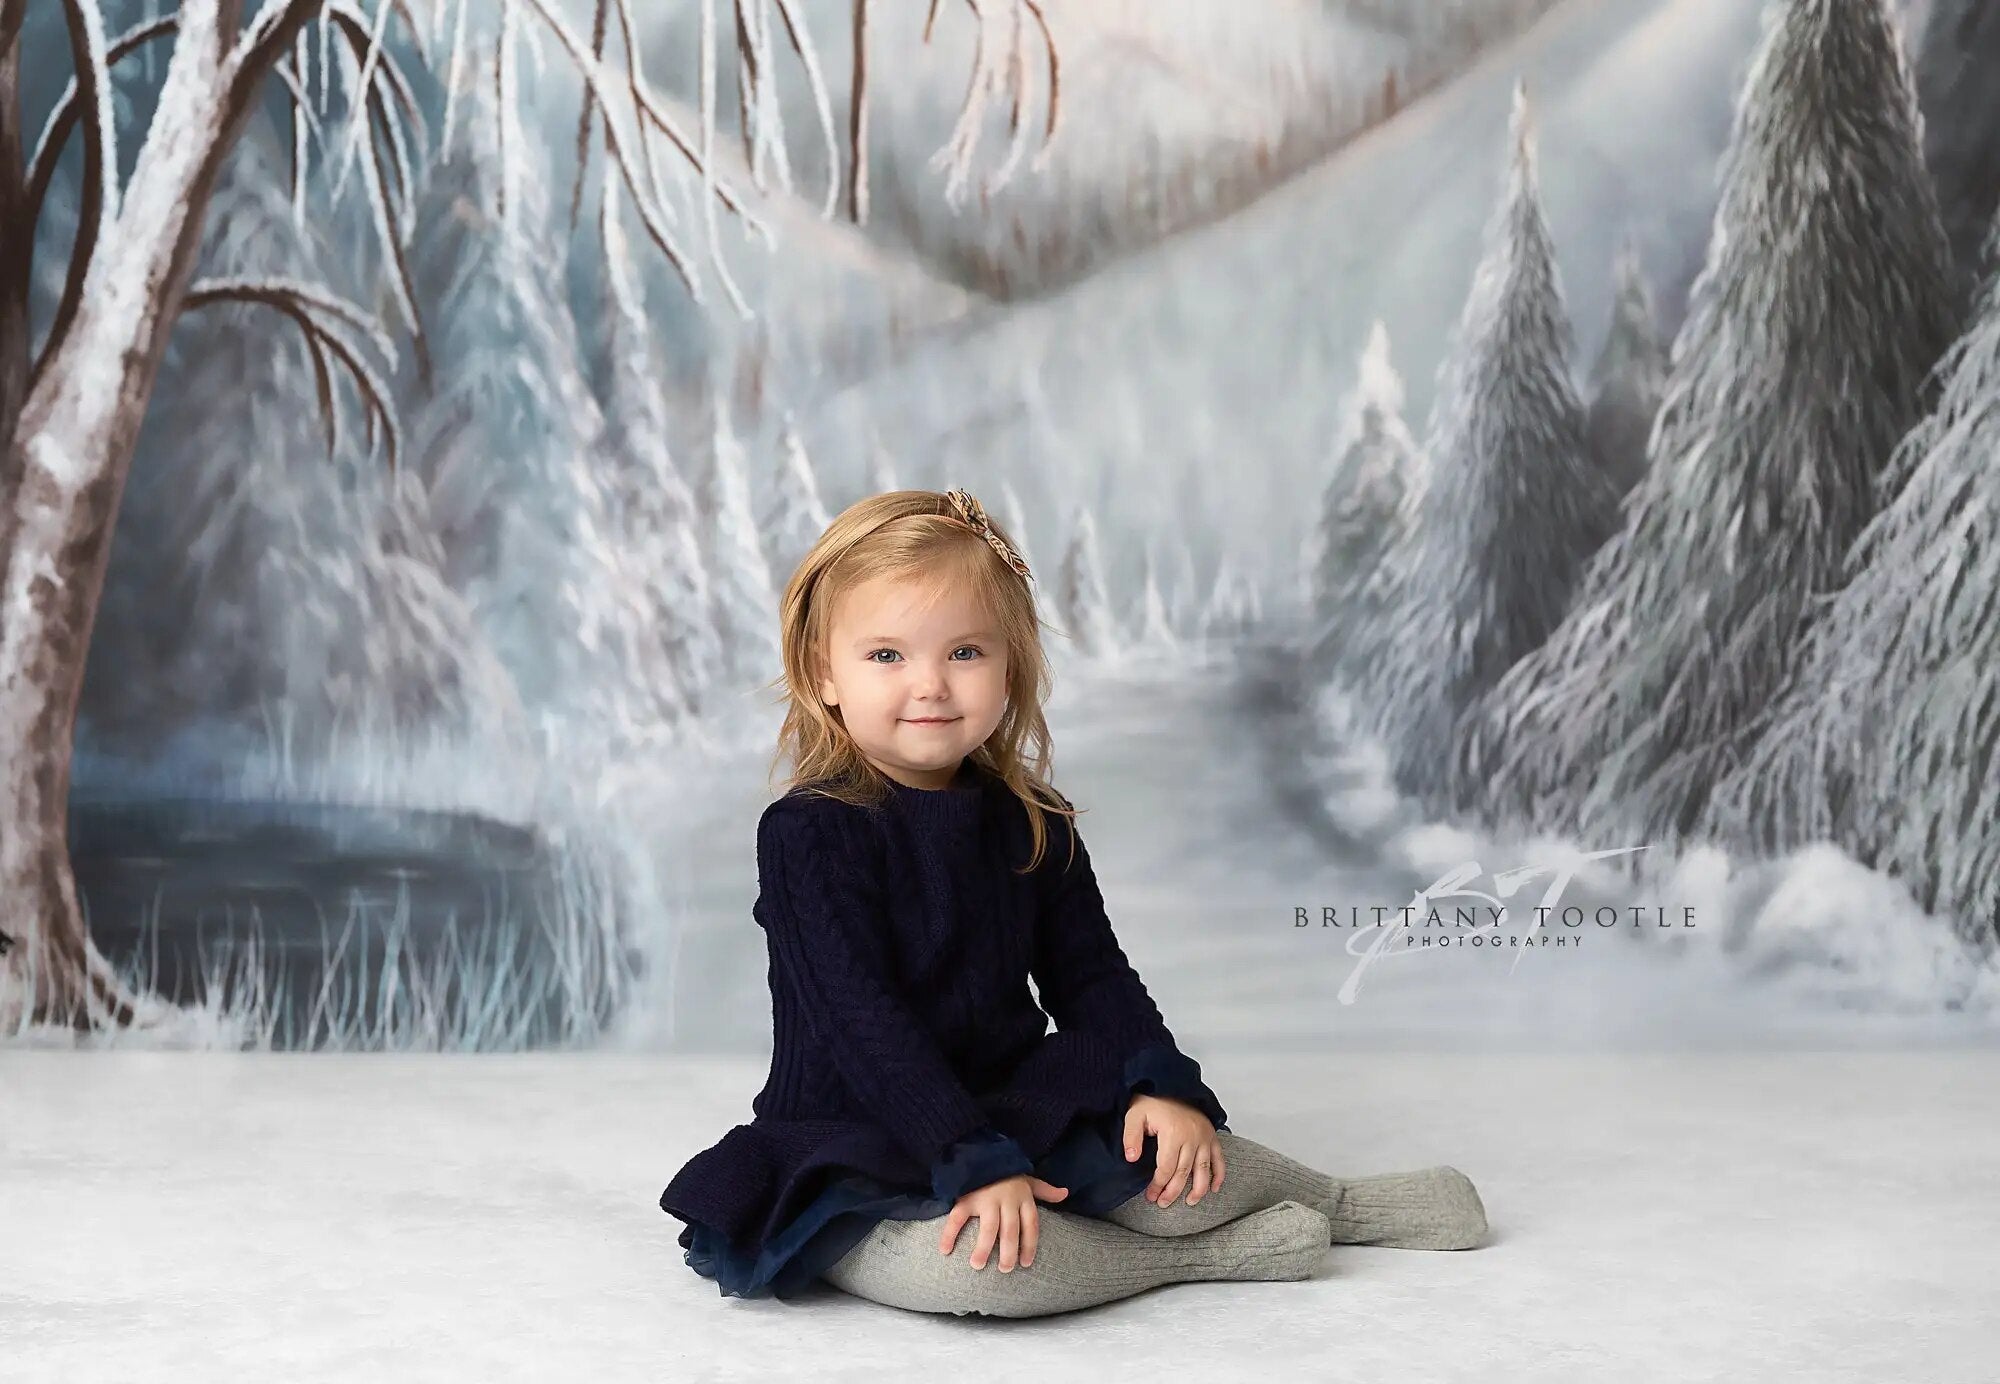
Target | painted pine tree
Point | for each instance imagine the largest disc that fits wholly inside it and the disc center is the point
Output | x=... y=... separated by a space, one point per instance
x=794 y=516
x=1823 y=304
x=741 y=592
x=1958 y=85
x=653 y=516
x=1015 y=521
x=244 y=492
x=1150 y=615
x=1629 y=378
x=309 y=603
x=1367 y=511
x=512 y=444
x=1233 y=604
x=1082 y=602
x=1184 y=607
x=421 y=644
x=1887 y=741
x=1515 y=505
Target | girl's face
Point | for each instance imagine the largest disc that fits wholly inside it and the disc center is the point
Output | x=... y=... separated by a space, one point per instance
x=918 y=690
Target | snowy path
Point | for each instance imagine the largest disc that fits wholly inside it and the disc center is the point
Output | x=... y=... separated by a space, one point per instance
x=1674 y=1218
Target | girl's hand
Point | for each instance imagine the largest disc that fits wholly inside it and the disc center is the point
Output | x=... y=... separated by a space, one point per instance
x=1007 y=1213
x=1187 y=1145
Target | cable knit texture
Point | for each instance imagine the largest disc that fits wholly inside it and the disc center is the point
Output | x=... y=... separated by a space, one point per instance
x=910 y=1064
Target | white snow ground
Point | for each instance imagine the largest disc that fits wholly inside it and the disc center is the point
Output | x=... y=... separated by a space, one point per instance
x=1740 y=1217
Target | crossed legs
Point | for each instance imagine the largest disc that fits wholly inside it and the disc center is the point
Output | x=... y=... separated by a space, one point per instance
x=1272 y=1219
x=1079 y=1262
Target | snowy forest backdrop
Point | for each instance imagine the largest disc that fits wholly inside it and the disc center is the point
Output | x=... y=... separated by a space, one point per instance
x=1533 y=426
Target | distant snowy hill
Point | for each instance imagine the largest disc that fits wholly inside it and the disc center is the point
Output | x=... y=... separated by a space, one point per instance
x=1197 y=384
x=1171 y=111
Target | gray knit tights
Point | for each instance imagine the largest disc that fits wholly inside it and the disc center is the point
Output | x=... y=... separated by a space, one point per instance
x=1272 y=1218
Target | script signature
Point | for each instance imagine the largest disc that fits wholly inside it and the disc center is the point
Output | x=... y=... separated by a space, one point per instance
x=1370 y=944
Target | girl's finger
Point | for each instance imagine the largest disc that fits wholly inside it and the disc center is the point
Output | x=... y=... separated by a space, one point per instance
x=982 y=1249
x=1198 y=1189
x=1183 y=1165
x=1167 y=1165
x=953 y=1223
x=1010 y=1236
x=1163 y=1168
x=1031 y=1233
x=1135 y=1133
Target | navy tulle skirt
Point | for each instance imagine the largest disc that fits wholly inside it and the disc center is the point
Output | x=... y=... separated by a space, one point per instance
x=1089 y=1159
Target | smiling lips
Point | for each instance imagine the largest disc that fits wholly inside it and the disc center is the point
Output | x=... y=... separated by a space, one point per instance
x=932 y=720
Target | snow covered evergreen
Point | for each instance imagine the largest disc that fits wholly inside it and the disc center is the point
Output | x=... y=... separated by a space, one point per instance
x=1014 y=521
x=513 y=447
x=1515 y=505
x=1367 y=510
x=427 y=659
x=1958 y=83
x=1185 y=605
x=1082 y=601
x=1823 y=304
x=742 y=593
x=654 y=518
x=1150 y=615
x=1887 y=741
x=1234 y=603
x=795 y=516
x=1629 y=379
x=239 y=510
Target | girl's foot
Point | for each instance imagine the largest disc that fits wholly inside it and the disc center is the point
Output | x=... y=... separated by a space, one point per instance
x=1434 y=1208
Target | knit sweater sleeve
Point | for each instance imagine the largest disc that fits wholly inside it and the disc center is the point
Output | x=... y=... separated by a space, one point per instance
x=1086 y=982
x=826 y=936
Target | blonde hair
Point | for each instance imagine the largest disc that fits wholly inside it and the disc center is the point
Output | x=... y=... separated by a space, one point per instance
x=916 y=536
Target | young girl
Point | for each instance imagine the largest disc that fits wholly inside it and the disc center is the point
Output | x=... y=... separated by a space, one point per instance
x=907 y=892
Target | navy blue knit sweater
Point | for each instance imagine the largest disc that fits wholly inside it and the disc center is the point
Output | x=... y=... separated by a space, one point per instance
x=907 y=1052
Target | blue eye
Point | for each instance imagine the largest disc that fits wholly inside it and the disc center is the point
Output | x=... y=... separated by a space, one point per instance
x=959 y=650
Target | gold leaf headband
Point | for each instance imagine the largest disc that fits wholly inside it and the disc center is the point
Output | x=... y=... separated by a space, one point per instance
x=973 y=515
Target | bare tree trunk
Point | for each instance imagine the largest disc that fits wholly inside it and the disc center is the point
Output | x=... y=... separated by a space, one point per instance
x=70 y=449
x=18 y=247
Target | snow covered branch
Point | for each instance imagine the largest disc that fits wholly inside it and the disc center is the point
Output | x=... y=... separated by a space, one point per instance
x=998 y=70
x=91 y=55
x=600 y=24
x=63 y=116
x=821 y=103
x=857 y=120
x=321 y=317
x=635 y=84
x=596 y=82
x=391 y=221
